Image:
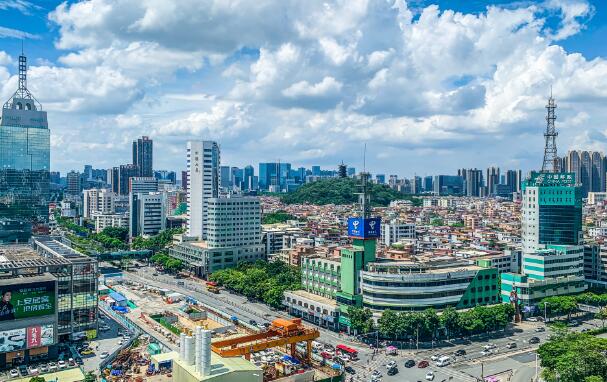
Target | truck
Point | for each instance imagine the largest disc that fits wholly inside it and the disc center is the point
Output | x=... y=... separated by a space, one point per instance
x=443 y=361
x=213 y=289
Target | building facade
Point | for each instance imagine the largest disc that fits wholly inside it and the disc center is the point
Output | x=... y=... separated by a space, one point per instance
x=147 y=213
x=24 y=164
x=203 y=159
x=395 y=231
x=143 y=156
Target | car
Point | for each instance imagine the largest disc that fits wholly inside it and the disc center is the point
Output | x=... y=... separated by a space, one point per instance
x=343 y=357
x=79 y=361
x=61 y=364
x=376 y=374
x=120 y=342
x=253 y=322
x=52 y=366
x=350 y=370
x=33 y=370
x=434 y=357
x=511 y=345
x=409 y=364
x=104 y=355
x=532 y=319
x=71 y=362
x=430 y=376
x=573 y=323
x=486 y=352
x=460 y=352
x=23 y=370
x=390 y=365
x=339 y=361
x=43 y=368
x=326 y=355
x=393 y=371
x=489 y=346
x=534 y=340
x=328 y=347
x=14 y=373
x=540 y=329
x=104 y=328
x=423 y=364
x=261 y=326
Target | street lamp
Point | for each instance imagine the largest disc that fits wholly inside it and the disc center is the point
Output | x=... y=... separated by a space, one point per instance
x=545 y=317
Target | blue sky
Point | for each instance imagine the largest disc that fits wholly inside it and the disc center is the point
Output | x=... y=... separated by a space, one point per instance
x=429 y=86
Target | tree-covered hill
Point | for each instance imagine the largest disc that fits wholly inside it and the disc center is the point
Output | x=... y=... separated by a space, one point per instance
x=343 y=191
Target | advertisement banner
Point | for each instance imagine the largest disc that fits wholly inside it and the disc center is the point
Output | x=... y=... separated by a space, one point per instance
x=364 y=228
x=39 y=336
x=27 y=300
x=12 y=340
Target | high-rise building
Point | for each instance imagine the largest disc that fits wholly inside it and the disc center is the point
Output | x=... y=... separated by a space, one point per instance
x=24 y=164
x=97 y=201
x=164 y=175
x=448 y=185
x=74 y=183
x=237 y=175
x=316 y=171
x=589 y=169
x=203 y=158
x=88 y=172
x=184 y=180
x=226 y=177
x=380 y=178
x=513 y=180
x=351 y=171
x=492 y=179
x=342 y=170
x=125 y=173
x=473 y=181
x=55 y=177
x=551 y=231
x=249 y=178
x=142 y=184
x=147 y=213
x=143 y=156
x=428 y=183
x=273 y=176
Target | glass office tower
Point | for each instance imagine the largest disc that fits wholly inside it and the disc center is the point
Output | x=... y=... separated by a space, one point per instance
x=24 y=165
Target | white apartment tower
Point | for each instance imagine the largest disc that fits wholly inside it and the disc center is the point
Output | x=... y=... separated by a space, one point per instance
x=97 y=201
x=203 y=183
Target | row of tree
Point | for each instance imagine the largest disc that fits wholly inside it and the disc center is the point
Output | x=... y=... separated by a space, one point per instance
x=429 y=325
x=571 y=356
x=113 y=238
x=261 y=280
x=170 y=264
x=567 y=305
x=157 y=242
x=277 y=217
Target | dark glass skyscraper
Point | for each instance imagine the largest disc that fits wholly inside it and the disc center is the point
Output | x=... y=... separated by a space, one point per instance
x=24 y=164
x=143 y=156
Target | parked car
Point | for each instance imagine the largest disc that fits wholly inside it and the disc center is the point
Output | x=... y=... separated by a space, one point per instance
x=460 y=352
x=489 y=346
x=33 y=370
x=393 y=371
x=14 y=373
x=23 y=370
x=511 y=345
x=434 y=357
x=43 y=368
x=532 y=319
x=409 y=364
x=52 y=366
x=350 y=370
x=71 y=362
x=430 y=376
x=326 y=355
x=79 y=361
x=376 y=374
x=61 y=364
x=390 y=365
x=104 y=355
x=534 y=340
x=423 y=364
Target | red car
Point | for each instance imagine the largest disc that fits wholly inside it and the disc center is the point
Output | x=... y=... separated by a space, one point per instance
x=422 y=364
x=326 y=355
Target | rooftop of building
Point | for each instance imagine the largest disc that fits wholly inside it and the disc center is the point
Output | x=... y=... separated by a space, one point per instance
x=15 y=256
x=220 y=366
x=314 y=297
x=412 y=266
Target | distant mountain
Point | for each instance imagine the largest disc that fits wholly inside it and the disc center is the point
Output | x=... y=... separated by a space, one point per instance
x=343 y=191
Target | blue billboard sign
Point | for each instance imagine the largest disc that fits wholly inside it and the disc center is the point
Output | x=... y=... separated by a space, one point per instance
x=361 y=228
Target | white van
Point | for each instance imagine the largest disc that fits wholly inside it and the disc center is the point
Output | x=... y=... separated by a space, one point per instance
x=443 y=361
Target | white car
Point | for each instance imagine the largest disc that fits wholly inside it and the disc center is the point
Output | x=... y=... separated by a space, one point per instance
x=33 y=370
x=390 y=365
x=489 y=346
x=14 y=373
x=104 y=355
x=434 y=357
x=61 y=364
x=120 y=343
x=486 y=352
x=344 y=357
x=376 y=374
x=430 y=376
x=52 y=366
x=532 y=319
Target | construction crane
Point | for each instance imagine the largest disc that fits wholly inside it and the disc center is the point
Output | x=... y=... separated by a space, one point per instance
x=282 y=332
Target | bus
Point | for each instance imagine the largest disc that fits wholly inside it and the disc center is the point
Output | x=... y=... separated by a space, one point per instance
x=352 y=353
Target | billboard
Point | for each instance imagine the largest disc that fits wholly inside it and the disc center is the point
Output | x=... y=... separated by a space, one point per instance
x=41 y=335
x=552 y=179
x=27 y=300
x=364 y=228
x=12 y=340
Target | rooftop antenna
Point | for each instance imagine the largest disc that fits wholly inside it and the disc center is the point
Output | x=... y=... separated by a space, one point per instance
x=364 y=198
x=22 y=91
x=551 y=160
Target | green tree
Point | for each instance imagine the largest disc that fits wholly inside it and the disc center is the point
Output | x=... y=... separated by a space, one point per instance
x=593 y=378
x=450 y=321
x=360 y=319
x=90 y=377
x=602 y=315
x=388 y=324
x=37 y=379
x=277 y=217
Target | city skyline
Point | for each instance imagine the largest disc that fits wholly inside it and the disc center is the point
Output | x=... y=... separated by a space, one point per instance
x=362 y=77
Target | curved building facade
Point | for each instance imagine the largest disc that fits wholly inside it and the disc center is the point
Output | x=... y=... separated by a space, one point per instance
x=409 y=286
